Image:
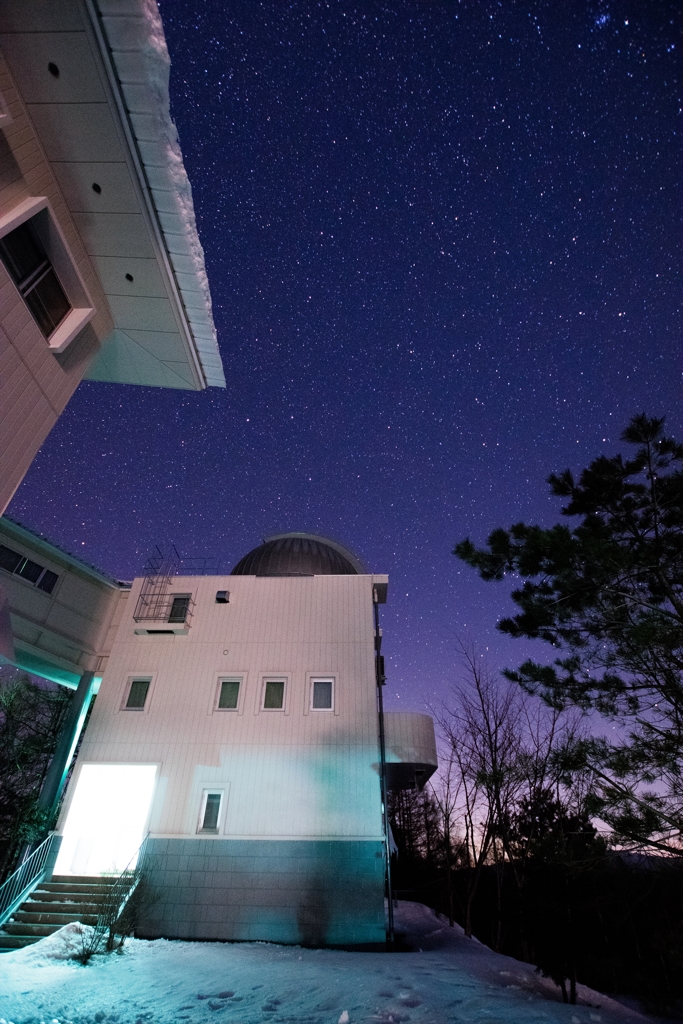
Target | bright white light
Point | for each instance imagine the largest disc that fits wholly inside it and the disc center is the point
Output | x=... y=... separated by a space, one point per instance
x=107 y=818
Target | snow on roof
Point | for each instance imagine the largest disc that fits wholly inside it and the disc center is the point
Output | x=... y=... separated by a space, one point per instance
x=135 y=35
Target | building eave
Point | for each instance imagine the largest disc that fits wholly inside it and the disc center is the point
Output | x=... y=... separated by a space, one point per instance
x=133 y=50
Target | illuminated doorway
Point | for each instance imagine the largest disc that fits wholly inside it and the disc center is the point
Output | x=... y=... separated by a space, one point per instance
x=107 y=819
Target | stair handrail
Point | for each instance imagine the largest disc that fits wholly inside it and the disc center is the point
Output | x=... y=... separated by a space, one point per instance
x=25 y=879
x=118 y=895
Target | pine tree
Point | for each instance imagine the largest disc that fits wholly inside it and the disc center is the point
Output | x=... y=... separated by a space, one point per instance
x=608 y=594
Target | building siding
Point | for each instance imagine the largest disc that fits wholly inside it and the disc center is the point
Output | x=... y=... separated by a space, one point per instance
x=302 y=812
x=35 y=384
x=291 y=773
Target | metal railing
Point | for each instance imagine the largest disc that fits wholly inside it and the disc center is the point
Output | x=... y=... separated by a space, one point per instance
x=117 y=897
x=27 y=876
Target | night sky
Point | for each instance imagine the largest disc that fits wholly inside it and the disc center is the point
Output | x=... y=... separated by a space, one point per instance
x=443 y=242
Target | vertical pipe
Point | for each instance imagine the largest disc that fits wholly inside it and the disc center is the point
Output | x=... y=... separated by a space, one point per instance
x=380 y=680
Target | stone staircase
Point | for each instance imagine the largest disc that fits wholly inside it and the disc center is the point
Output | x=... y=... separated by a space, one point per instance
x=51 y=905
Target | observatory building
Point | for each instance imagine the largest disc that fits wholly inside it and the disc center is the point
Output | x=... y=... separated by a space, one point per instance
x=237 y=726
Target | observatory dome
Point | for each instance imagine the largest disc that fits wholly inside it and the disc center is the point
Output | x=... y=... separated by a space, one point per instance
x=299 y=554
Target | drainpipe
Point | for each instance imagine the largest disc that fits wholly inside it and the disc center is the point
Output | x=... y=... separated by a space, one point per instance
x=69 y=736
x=381 y=679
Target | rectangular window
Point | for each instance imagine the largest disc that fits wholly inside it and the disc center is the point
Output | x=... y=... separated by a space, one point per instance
x=19 y=565
x=179 y=608
x=9 y=560
x=36 y=256
x=29 y=570
x=229 y=694
x=137 y=694
x=47 y=581
x=211 y=811
x=30 y=269
x=5 y=116
x=274 y=695
x=321 y=694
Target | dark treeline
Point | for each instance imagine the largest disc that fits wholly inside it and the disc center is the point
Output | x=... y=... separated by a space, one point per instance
x=31 y=717
x=504 y=844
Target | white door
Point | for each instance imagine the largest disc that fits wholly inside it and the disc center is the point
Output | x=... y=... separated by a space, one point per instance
x=107 y=819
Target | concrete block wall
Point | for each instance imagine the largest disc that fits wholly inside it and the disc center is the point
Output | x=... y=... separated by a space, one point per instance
x=308 y=893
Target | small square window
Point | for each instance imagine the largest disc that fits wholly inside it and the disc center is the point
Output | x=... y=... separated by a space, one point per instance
x=321 y=694
x=274 y=695
x=137 y=694
x=229 y=694
x=211 y=811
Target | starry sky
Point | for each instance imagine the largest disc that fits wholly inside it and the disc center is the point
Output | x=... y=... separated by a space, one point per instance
x=443 y=242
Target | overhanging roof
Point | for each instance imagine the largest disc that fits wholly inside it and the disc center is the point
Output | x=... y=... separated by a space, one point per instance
x=104 y=120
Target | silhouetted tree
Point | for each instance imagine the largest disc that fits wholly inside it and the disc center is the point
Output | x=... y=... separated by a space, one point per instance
x=561 y=846
x=30 y=720
x=608 y=592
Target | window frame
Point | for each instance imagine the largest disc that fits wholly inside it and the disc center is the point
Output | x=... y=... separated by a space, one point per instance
x=6 y=118
x=311 y=690
x=36 y=584
x=134 y=677
x=311 y=677
x=39 y=212
x=273 y=677
x=230 y=677
x=188 y=609
x=206 y=793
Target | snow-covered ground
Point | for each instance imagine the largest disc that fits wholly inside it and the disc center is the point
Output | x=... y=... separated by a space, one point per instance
x=448 y=980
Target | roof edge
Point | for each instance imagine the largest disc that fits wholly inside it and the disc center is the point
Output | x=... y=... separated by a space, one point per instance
x=57 y=554
x=133 y=48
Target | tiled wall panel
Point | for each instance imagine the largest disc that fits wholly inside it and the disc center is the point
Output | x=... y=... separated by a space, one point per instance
x=315 y=893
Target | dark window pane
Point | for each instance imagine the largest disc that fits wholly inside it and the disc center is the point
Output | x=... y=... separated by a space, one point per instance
x=9 y=559
x=47 y=581
x=179 y=609
x=29 y=571
x=22 y=253
x=137 y=695
x=230 y=689
x=48 y=303
x=213 y=806
x=322 y=693
x=275 y=694
x=27 y=262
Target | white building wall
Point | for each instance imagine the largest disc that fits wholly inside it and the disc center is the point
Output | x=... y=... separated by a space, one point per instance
x=35 y=383
x=296 y=774
x=72 y=627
